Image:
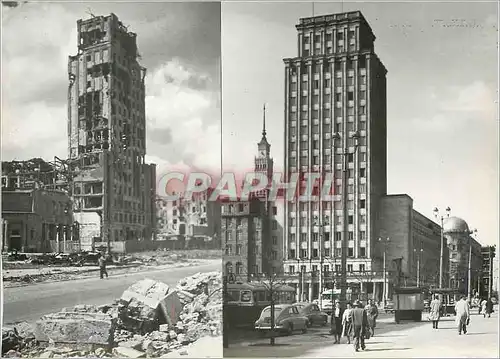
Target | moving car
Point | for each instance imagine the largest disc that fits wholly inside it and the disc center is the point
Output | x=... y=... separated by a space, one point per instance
x=287 y=319
x=313 y=314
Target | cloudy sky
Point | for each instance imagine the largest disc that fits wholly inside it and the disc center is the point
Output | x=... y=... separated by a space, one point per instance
x=179 y=44
x=442 y=86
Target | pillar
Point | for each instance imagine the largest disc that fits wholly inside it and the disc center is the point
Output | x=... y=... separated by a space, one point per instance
x=310 y=291
x=297 y=290
x=361 y=290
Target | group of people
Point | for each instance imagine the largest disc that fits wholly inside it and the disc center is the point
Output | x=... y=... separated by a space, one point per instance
x=462 y=312
x=355 y=321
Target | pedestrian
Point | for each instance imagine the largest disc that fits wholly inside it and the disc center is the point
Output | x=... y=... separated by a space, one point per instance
x=462 y=312
x=483 y=307
x=102 y=266
x=347 y=323
x=336 y=322
x=372 y=314
x=488 y=308
x=435 y=311
x=359 y=324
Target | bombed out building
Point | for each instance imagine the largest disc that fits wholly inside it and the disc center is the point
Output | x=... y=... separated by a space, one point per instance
x=113 y=188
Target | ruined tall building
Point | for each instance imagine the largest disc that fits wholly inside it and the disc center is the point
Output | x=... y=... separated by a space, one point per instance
x=113 y=188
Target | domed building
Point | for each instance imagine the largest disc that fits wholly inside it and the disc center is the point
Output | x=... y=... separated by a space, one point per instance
x=460 y=243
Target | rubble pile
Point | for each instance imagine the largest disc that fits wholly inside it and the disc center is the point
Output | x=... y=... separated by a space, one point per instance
x=149 y=320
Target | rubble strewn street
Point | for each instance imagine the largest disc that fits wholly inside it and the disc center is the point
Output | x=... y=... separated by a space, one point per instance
x=150 y=320
x=31 y=269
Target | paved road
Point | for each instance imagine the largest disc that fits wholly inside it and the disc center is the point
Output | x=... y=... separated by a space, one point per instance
x=30 y=302
x=410 y=340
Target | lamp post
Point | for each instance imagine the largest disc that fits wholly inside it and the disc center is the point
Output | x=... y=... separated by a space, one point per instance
x=384 y=241
x=441 y=254
x=469 y=273
x=418 y=254
x=344 y=243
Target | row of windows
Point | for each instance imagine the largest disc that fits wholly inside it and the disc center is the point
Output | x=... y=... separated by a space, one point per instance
x=303 y=253
x=327 y=83
x=327 y=113
x=326 y=236
x=326 y=218
x=336 y=67
x=228 y=250
x=306 y=130
x=327 y=268
x=328 y=36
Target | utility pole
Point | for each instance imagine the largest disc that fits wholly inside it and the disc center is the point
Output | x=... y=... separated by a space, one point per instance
x=441 y=255
x=384 y=265
x=418 y=253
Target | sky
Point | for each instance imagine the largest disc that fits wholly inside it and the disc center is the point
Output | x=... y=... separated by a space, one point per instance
x=442 y=77
x=179 y=44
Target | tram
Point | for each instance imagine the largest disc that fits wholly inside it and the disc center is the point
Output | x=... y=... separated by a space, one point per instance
x=245 y=301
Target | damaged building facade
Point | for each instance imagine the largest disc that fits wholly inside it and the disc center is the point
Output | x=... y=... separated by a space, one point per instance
x=190 y=222
x=113 y=188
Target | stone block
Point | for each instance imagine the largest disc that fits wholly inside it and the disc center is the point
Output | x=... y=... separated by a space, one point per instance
x=164 y=328
x=76 y=328
x=123 y=352
x=147 y=291
x=171 y=307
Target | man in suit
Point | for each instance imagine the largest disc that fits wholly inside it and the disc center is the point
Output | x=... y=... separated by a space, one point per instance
x=359 y=322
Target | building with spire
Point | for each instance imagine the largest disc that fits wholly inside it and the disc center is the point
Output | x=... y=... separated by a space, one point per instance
x=250 y=234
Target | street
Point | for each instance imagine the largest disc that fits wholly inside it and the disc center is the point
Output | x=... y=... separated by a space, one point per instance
x=408 y=339
x=30 y=302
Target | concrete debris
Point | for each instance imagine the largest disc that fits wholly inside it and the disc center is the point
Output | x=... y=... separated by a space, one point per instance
x=122 y=352
x=74 y=327
x=149 y=320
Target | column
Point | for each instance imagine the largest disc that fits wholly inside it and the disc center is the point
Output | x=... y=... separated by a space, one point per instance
x=297 y=291
x=310 y=291
x=361 y=290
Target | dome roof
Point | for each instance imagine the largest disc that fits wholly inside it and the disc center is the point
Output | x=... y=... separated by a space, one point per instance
x=454 y=225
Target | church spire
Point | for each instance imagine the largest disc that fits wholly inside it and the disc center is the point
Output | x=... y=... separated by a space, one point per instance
x=264 y=122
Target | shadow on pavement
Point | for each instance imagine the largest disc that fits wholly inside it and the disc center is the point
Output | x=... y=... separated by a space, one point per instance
x=469 y=333
x=269 y=345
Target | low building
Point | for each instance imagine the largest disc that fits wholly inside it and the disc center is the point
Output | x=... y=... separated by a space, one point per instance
x=38 y=220
x=413 y=239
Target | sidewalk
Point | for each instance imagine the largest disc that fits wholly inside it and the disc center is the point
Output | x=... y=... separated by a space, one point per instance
x=481 y=341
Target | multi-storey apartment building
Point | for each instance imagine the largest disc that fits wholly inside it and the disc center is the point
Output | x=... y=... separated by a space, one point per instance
x=487 y=285
x=114 y=189
x=336 y=85
x=462 y=248
x=250 y=234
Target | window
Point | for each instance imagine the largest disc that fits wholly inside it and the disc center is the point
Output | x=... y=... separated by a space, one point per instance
x=362 y=252
x=350 y=82
x=326 y=268
x=306 y=39
x=350 y=96
x=275 y=225
x=362 y=203
x=362 y=218
x=362 y=110
x=316 y=84
x=349 y=266
x=362 y=95
x=292 y=254
x=328 y=83
x=362 y=172
x=350 y=157
x=274 y=255
x=338 y=97
x=291 y=269
x=351 y=236
x=362 y=188
x=303 y=253
x=303 y=236
x=351 y=221
x=338 y=268
x=350 y=173
x=362 y=235
x=327 y=252
x=275 y=240
x=362 y=80
x=340 y=35
x=315 y=253
x=361 y=267
x=326 y=236
x=238 y=249
x=315 y=237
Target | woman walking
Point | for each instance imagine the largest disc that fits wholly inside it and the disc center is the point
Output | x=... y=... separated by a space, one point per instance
x=336 y=322
x=435 y=311
x=347 y=323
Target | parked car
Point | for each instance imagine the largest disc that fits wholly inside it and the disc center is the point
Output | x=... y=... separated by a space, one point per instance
x=389 y=306
x=287 y=319
x=313 y=314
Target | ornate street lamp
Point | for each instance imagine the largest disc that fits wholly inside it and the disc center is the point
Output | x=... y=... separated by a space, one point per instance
x=437 y=215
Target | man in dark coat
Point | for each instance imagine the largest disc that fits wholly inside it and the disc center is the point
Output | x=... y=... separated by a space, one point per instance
x=488 y=308
x=359 y=323
x=336 y=322
x=372 y=314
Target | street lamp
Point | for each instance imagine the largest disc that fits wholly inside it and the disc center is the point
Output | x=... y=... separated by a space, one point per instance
x=344 y=244
x=418 y=254
x=469 y=274
x=384 y=241
x=436 y=214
